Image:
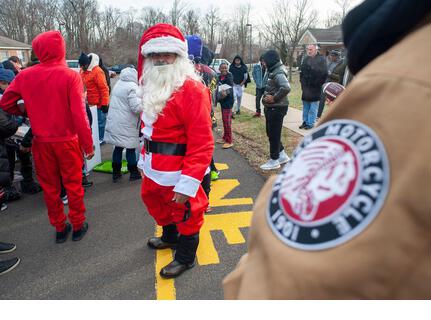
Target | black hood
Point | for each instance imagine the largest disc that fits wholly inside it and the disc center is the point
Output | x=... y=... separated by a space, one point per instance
x=271 y=58
x=207 y=56
x=376 y=25
x=238 y=57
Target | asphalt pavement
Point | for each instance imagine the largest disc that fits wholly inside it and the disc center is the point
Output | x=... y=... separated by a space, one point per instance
x=113 y=261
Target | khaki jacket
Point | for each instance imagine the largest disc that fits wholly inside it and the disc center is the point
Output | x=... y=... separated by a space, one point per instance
x=391 y=257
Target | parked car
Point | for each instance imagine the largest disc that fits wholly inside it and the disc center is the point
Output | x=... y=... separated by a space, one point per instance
x=216 y=64
x=73 y=64
x=118 y=67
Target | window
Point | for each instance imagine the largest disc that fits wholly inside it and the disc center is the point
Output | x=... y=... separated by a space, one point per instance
x=3 y=55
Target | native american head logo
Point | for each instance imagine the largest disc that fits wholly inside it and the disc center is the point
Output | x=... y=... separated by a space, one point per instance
x=323 y=173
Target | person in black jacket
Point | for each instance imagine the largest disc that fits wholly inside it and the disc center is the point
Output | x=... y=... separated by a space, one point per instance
x=240 y=75
x=8 y=127
x=275 y=103
x=314 y=72
x=106 y=72
x=225 y=97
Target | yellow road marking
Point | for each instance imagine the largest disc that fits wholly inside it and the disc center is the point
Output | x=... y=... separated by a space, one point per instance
x=165 y=288
x=221 y=188
x=221 y=166
x=229 y=224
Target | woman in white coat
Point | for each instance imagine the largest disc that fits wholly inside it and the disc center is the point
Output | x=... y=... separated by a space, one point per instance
x=123 y=123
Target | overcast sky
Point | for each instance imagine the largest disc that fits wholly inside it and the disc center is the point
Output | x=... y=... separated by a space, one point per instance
x=259 y=7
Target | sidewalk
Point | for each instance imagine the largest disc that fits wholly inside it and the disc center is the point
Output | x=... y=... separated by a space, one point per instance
x=292 y=120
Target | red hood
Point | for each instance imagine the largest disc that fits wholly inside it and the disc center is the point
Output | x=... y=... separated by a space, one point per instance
x=50 y=47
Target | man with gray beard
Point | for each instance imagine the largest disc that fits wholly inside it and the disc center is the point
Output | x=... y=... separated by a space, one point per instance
x=178 y=143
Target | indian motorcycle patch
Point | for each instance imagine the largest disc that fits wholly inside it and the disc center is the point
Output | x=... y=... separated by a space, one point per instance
x=333 y=188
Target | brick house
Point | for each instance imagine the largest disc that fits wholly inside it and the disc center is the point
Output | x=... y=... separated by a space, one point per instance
x=10 y=47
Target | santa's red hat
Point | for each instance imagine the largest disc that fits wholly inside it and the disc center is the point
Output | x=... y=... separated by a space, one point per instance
x=161 y=37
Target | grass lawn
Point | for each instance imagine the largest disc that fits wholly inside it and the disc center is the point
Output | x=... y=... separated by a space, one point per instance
x=294 y=95
x=250 y=140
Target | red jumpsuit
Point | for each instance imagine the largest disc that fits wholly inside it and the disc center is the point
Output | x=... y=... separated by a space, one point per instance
x=53 y=96
x=184 y=120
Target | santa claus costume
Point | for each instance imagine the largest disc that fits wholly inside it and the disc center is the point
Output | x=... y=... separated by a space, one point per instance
x=178 y=145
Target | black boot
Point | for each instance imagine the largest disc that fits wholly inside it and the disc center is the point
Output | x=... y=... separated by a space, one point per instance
x=12 y=194
x=184 y=257
x=134 y=173
x=8 y=265
x=30 y=187
x=169 y=238
x=116 y=171
x=86 y=183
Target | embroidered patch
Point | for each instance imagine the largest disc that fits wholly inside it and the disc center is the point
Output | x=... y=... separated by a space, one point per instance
x=333 y=188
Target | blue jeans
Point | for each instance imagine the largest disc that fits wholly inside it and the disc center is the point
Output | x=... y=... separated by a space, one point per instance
x=117 y=156
x=101 y=121
x=309 y=112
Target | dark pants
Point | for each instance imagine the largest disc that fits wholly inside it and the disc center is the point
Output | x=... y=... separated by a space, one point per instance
x=321 y=104
x=26 y=165
x=259 y=94
x=117 y=156
x=274 y=123
x=213 y=167
x=206 y=184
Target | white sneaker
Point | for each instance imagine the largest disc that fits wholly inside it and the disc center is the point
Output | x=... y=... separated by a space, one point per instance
x=65 y=200
x=270 y=165
x=283 y=158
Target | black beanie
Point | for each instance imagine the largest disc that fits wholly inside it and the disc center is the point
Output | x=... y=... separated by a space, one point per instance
x=84 y=59
x=376 y=25
x=271 y=58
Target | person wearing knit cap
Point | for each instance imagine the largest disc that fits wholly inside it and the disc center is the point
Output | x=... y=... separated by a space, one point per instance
x=178 y=143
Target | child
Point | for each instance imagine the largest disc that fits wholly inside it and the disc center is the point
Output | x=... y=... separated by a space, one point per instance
x=225 y=97
x=123 y=123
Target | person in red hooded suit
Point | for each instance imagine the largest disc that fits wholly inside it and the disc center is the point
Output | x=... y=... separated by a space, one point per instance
x=54 y=103
x=178 y=143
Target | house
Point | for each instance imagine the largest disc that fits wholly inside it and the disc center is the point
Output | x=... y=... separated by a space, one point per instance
x=327 y=39
x=10 y=47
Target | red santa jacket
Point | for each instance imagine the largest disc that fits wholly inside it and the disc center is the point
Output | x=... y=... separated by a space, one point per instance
x=53 y=95
x=184 y=120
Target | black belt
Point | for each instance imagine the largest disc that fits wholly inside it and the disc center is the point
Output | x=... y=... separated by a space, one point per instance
x=166 y=148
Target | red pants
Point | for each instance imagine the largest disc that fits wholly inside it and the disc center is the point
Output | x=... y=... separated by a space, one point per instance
x=158 y=200
x=55 y=161
x=227 y=125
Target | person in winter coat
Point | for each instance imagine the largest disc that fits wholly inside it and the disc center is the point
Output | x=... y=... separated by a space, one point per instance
x=333 y=60
x=106 y=72
x=240 y=75
x=123 y=123
x=314 y=72
x=276 y=104
x=360 y=226
x=259 y=72
x=94 y=80
x=8 y=127
x=53 y=95
x=225 y=97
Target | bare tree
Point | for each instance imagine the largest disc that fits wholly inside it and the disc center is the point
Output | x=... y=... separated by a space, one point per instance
x=212 y=20
x=177 y=11
x=190 y=22
x=241 y=18
x=344 y=6
x=289 y=20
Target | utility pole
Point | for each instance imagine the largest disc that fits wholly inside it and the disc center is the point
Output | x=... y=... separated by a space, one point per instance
x=251 y=37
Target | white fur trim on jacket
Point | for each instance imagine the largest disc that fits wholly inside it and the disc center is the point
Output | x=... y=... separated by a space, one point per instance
x=165 y=44
x=187 y=185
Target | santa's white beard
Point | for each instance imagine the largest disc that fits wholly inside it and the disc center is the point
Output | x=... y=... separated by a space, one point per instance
x=158 y=83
